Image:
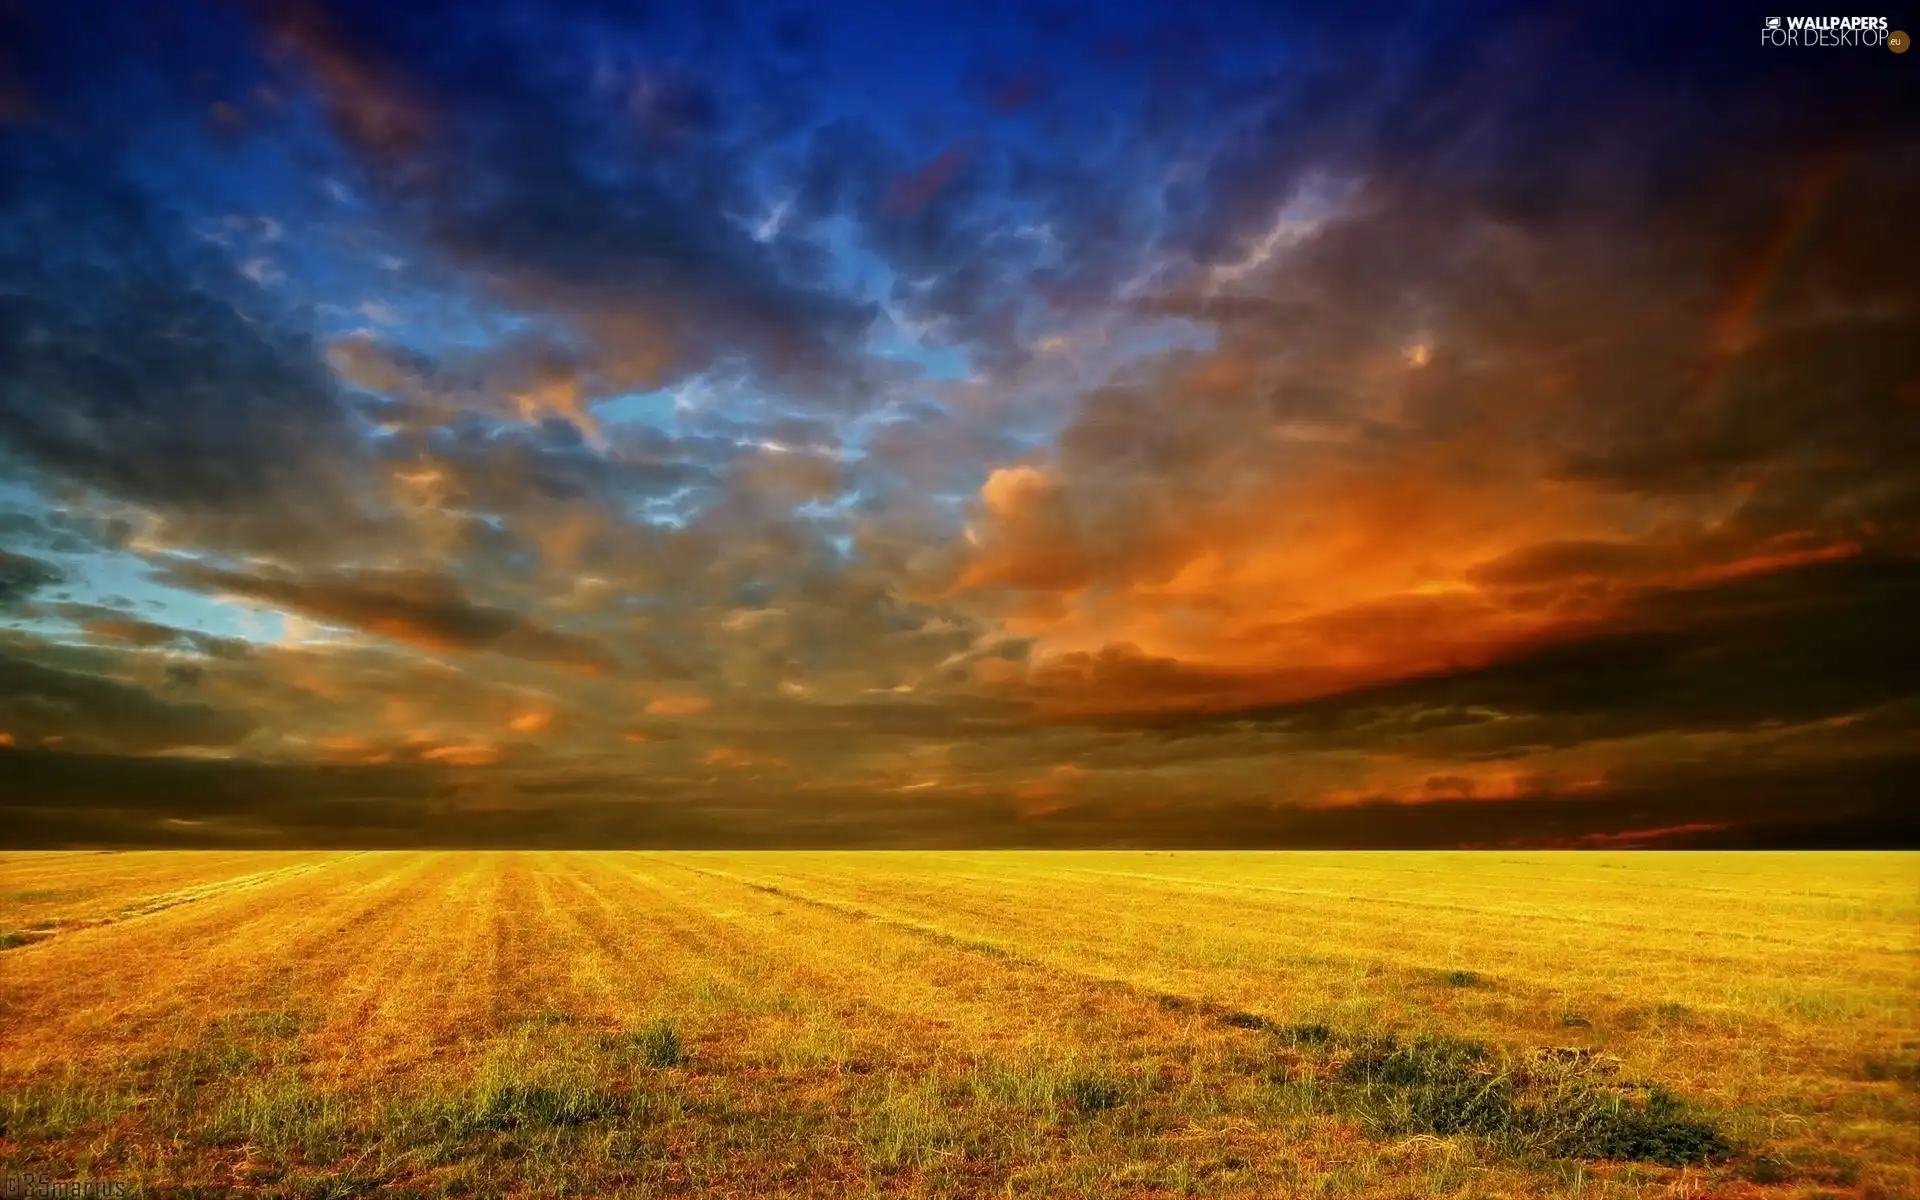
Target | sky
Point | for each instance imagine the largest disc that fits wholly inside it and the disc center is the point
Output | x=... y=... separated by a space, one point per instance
x=955 y=424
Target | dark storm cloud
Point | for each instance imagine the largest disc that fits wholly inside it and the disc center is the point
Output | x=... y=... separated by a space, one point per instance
x=93 y=712
x=990 y=241
x=71 y=799
x=608 y=194
x=1853 y=806
x=1760 y=185
x=133 y=363
x=1549 y=116
x=110 y=627
x=59 y=799
x=427 y=610
x=21 y=576
x=501 y=471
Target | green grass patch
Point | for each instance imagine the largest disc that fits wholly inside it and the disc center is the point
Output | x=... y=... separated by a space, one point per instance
x=1822 y=1167
x=270 y=1023
x=657 y=1046
x=1563 y=1102
x=211 y=1061
x=907 y=1126
x=1087 y=1094
x=1891 y=1068
x=513 y=1104
x=56 y=1109
x=283 y=1117
x=1306 y=1035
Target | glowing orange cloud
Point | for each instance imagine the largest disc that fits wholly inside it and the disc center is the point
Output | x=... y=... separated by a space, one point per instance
x=1337 y=575
x=1642 y=837
x=1302 y=563
x=464 y=755
x=535 y=721
x=1395 y=781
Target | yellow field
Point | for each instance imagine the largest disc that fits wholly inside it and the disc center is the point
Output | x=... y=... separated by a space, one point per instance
x=1074 y=1024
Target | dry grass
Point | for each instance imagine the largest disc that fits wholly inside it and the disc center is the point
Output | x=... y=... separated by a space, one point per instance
x=1124 y=1024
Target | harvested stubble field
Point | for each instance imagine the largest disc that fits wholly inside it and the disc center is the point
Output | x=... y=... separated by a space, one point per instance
x=964 y=1024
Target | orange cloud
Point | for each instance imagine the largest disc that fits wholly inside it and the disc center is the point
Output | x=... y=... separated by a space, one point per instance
x=132 y=631
x=677 y=706
x=535 y=721
x=1396 y=782
x=1048 y=792
x=1336 y=575
x=735 y=757
x=1644 y=837
x=463 y=755
x=353 y=749
x=1289 y=569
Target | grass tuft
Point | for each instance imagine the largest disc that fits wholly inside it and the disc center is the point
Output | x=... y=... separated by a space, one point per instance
x=1090 y=1093
x=511 y=1104
x=1306 y=1035
x=1428 y=1059
x=657 y=1045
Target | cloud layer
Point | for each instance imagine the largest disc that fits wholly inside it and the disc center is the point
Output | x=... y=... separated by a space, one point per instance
x=572 y=423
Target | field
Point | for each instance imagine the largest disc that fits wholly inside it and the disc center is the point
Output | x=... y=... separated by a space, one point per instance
x=977 y=1024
